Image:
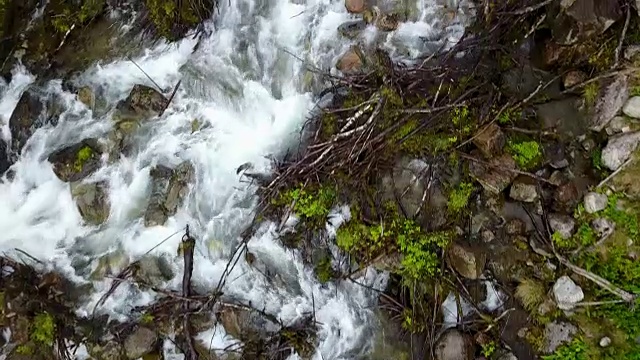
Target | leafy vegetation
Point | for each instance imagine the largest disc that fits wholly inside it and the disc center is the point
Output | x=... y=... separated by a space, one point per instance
x=590 y=93
x=488 y=349
x=459 y=197
x=84 y=154
x=312 y=205
x=530 y=293
x=43 y=329
x=576 y=350
x=323 y=269
x=527 y=154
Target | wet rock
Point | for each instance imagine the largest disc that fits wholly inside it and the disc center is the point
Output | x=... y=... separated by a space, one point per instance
x=4 y=157
x=487 y=236
x=87 y=97
x=524 y=189
x=352 y=29
x=494 y=178
x=406 y=184
x=605 y=341
x=557 y=178
x=92 y=200
x=239 y=322
x=143 y=102
x=25 y=119
x=632 y=107
x=603 y=226
x=562 y=224
x=454 y=345
x=75 y=162
x=556 y=155
x=110 y=264
x=580 y=20
x=515 y=227
x=609 y=102
x=466 y=260
x=108 y=351
x=381 y=20
x=154 y=270
x=355 y=6
x=566 y=293
x=141 y=342
x=352 y=61
x=619 y=149
x=168 y=189
x=573 y=77
x=557 y=333
x=594 y=202
x=563 y=115
x=490 y=141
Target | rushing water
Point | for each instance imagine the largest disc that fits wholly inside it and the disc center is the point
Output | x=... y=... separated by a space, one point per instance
x=246 y=89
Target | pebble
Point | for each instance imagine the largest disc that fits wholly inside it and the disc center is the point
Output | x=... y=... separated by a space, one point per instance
x=605 y=341
x=566 y=293
x=594 y=202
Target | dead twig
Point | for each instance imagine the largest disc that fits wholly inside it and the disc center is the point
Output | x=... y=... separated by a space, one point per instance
x=623 y=34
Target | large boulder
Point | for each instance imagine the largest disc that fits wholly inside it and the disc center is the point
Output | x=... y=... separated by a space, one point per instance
x=92 y=200
x=76 y=162
x=168 y=189
x=27 y=116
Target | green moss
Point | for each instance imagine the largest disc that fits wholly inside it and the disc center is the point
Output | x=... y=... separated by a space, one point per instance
x=488 y=349
x=459 y=197
x=168 y=15
x=84 y=154
x=324 y=271
x=312 y=205
x=24 y=349
x=530 y=293
x=147 y=318
x=590 y=93
x=527 y=154
x=509 y=116
x=43 y=329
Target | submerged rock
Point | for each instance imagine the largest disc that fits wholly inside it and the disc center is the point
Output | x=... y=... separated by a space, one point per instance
x=619 y=149
x=381 y=20
x=352 y=29
x=467 y=261
x=92 y=200
x=110 y=264
x=76 y=162
x=566 y=293
x=494 y=178
x=454 y=345
x=25 y=119
x=168 y=189
x=141 y=342
x=154 y=270
x=239 y=322
x=87 y=97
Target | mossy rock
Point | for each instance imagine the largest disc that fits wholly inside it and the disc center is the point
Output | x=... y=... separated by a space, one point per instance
x=75 y=162
x=172 y=19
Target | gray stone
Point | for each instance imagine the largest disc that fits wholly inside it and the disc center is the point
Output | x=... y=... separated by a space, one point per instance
x=26 y=118
x=154 y=270
x=454 y=345
x=621 y=124
x=632 y=107
x=556 y=334
x=143 y=102
x=631 y=51
x=562 y=224
x=567 y=293
x=490 y=141
x=507 y=356
x=352 y=29
x=605 y=341
x=523 y=189
x=580 y=20
x=466 y=260
x=594 y=202
x=563 y=115
x=406 y=184
x=515 y=227
x=168 y=190
x=110 y=264
x=141 y=342
x=619 y=149
x=609 y=102
x=92 y=200
x=603 y=226
x=494 y=178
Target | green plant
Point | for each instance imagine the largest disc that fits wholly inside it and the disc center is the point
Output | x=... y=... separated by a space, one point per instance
x=530 y=293
x=147 y=318
x=323 y=269
x=590 y=93
x=84 y=154
x=24 y=349
x=527 y=154
x=43 y=329
x=419 y=250
x=560 y=242
x=459 y=197
x=575 y=350
x=312 y=205
x=509 y=116
x=488 y=349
